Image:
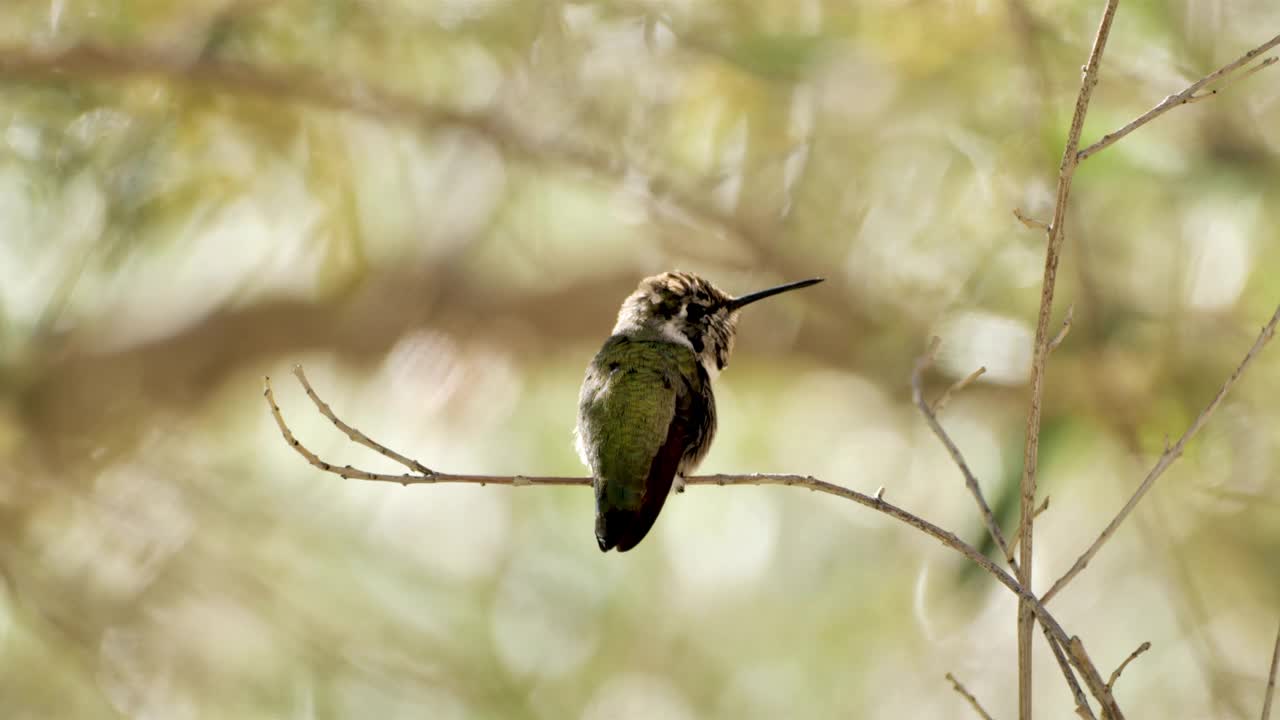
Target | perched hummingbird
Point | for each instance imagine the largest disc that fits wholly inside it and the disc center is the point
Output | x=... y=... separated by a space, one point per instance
x=646 y=413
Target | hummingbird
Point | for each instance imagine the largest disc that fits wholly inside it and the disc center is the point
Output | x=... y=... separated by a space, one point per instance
x=646 y=412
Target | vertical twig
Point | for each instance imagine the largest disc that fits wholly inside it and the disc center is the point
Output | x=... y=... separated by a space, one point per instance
x=1056 y=235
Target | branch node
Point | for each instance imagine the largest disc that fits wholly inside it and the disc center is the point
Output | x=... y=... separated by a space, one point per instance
x=1190 y=94
x=1062 y=333
x=1043 y=506
x=1029 y=221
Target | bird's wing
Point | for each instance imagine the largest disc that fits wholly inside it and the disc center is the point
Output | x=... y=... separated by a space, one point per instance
x=639 y=409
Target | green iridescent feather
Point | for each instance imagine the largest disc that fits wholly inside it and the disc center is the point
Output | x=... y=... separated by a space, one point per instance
x=635 y=417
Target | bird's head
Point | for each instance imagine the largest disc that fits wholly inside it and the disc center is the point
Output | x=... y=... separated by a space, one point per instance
x=686 y=309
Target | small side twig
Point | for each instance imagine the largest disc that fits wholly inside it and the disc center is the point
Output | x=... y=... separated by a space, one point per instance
x=1271 y=679
x=347 y=472
x=355 y=435
x=970 y=481
x=1043 y=506
x=1029 y=221
x=1115 y=675
x=1066 y=328
x=973 y=701
x=956 y=387
x=1166 y=459
x=1188 y=95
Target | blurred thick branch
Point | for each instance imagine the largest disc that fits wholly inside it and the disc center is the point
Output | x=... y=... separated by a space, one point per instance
x=1188 y=95
x=321 y=88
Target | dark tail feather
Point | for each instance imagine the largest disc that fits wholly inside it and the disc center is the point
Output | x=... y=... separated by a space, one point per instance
x=624 y=529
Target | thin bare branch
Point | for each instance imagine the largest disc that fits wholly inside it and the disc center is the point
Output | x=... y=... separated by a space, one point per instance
x=1188 y=95
x=1040 y=352
x=973 y=701
x=1115 y=675
x=1066 y=328
x=1082 y=703
x=1075 y=650
x=956 y=387
x=1271 y=679
x=1029 y=221
x=355 y=435
x=1166 y=459
x=1268 y=62
x=349 y=472
x=876 y=503
x=970 y=481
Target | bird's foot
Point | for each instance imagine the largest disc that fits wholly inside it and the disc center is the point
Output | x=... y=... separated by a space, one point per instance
x=678 y=483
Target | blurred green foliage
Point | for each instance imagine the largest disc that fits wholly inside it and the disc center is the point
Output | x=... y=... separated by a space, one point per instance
x=437 y=207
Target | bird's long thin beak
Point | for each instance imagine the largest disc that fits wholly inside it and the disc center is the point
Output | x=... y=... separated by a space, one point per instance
x=749 y=298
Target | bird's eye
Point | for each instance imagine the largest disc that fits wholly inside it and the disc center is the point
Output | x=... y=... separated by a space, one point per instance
x=694 y=312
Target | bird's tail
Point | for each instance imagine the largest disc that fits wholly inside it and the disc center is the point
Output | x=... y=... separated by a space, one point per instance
x=624 y=529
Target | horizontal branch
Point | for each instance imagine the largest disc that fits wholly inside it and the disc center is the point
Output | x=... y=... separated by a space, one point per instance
x=1167 y=458
x=875 y=502
x=1186 y=96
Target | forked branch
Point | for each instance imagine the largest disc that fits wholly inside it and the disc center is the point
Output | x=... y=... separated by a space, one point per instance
x=875 y=502
x=1188 y=95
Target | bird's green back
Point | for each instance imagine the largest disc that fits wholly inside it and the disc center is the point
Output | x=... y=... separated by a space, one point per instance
x=632 y=391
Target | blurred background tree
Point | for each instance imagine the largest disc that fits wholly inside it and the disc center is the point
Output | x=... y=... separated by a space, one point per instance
x=438 y=206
